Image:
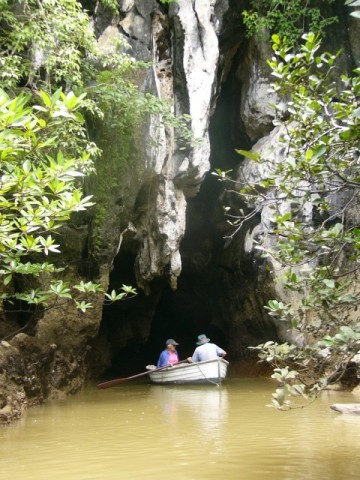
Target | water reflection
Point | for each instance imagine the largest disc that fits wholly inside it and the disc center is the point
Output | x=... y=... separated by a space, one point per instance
x=204 y=406
x=198 y=414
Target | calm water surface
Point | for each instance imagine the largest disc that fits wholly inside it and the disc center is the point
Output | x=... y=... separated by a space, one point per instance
x=141 y=431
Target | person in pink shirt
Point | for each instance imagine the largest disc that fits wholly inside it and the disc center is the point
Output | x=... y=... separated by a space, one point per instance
x=169 y=356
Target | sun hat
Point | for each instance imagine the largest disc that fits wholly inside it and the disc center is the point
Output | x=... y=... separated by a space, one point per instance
x=202 y=339
x=170 y=341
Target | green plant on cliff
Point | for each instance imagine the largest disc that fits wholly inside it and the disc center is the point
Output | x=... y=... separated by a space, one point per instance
x=45 y=151
x=313 y=196
x=39 y=191
x=49 y=44
x=43 y=44
x=287 y=18
x=54 y=77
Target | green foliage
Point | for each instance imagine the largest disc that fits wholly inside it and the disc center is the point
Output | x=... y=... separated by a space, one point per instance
x=40 y=189
x=321 y=142
x=44 y=144
x=313 y=195
x=294 y=367
x=58 y=82
x=111 y=5
x=354 y=3
x=114 y=90
x=43 y=44
x=48 y=44
x=286 y=18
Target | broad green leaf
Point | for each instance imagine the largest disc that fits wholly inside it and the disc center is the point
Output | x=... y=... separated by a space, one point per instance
x=251 y=155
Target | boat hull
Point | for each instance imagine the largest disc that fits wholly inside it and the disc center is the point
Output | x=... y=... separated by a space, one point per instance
x=213 y=371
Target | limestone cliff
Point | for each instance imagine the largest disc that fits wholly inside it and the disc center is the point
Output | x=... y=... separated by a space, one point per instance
x=158 y=223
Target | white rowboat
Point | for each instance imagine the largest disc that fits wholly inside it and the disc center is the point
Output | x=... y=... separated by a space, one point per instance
x=211 y=371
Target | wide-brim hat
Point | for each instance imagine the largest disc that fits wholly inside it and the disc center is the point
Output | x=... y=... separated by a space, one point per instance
x=170 y=341
x=202 y=339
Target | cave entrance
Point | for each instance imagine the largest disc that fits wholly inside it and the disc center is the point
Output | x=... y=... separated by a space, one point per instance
x=133 y=332
x=218 y=289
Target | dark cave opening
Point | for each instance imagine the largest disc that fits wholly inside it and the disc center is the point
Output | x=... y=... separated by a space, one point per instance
x=135 y=330
x=146 y=321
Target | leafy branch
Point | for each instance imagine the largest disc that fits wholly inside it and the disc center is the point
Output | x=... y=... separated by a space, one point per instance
x=311 y=194
x=289 y=19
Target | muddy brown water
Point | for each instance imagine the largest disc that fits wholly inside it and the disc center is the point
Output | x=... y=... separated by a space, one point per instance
x=140 y=431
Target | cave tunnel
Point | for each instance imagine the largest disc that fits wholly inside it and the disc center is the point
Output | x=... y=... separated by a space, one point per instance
x=135 y=330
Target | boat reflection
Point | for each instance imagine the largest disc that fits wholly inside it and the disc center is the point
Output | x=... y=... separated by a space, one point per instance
x=204 y=406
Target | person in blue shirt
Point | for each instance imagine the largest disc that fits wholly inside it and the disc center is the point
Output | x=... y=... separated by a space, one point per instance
x=169 y=356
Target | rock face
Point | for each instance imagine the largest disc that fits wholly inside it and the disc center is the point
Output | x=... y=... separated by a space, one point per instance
x=158 y=223
x=161 y=205
x=347 y=408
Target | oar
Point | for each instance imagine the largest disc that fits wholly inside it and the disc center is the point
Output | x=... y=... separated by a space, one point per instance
x=116 y=381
